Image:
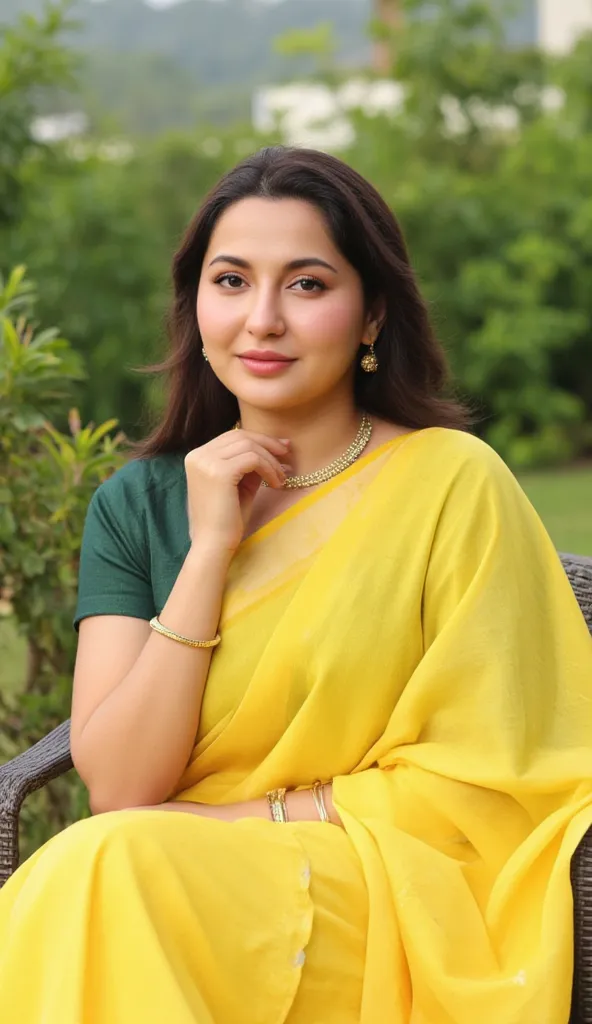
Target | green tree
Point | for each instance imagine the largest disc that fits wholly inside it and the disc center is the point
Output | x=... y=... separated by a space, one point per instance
x=152 y=70
x=100 y=234
x=82 y=235
x=46 y=481
x=490 y=179
x=32 y=61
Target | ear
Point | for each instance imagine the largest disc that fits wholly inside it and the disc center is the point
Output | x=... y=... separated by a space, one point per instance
x=375 y=321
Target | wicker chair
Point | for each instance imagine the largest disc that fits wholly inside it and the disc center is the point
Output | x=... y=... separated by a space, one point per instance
x=51 y=757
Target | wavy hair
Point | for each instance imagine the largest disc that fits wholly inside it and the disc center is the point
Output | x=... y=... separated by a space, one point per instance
x=411 y=387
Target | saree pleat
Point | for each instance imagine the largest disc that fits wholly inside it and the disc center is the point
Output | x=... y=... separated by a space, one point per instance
x=407 y=631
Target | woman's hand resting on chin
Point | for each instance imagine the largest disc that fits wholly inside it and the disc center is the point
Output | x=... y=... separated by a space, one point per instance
x=223 y=478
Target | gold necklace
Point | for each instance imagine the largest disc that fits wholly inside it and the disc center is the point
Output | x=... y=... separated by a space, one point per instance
x=320 y=476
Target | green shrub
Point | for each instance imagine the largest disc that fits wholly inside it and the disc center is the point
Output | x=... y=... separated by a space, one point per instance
x=46 y=481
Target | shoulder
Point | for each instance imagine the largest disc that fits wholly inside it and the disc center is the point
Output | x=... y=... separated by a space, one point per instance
x=138 y=492
x=140 y=482
x=454 y=470
x=456 y=453
x=471 y=490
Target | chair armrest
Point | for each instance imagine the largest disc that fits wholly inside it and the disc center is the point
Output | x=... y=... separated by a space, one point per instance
x=23 y=775
x=579 y=572
x=581 y=880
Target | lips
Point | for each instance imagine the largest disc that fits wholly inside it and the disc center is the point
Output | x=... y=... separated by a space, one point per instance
x=266 y=356
x=266 y=363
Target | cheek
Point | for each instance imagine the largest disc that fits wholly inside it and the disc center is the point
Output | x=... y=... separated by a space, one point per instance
x=202 y=311
x=214 y=318
x=335 y=322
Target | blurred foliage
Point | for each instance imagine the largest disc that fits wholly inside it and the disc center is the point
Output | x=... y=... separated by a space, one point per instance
x=31 y=60
x=100 y=234
x=46 y=481
x=487 y=164
x=152 y=69
x=489 y=167
x=319 y=41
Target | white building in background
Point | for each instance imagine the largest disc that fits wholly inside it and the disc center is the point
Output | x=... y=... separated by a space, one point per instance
x=71 y=129
x=313 y=114
x=552 y=24
x=560 y=22
x=59 y=127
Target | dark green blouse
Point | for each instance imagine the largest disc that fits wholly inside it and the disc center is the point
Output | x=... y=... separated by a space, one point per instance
x=136 y=538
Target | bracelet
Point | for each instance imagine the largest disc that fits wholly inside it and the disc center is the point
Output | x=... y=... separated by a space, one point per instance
x=318 y=795
x=277 y=805
x=158 y=626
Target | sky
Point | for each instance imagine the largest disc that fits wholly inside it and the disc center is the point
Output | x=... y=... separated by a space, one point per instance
x=170 y=3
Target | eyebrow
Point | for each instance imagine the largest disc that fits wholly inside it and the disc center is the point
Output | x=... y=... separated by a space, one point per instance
x=306 y=261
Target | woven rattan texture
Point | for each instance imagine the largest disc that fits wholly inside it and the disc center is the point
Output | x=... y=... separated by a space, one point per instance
x=28 y=772
x=579 y=571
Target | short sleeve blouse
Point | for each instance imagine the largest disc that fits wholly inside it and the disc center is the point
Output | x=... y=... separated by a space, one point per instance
x=135 y=539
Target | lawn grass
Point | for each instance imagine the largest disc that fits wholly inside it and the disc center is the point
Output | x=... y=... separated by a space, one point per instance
x=563 y=499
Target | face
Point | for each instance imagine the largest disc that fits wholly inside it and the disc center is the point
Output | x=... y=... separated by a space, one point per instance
x=280 y=310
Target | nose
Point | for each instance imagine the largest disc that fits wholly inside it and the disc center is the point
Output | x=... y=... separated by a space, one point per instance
x=265 y=317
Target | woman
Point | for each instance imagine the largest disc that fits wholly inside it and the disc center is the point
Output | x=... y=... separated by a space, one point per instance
x=395 y=624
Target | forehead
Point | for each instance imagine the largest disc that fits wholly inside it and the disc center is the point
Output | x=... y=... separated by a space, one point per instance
x=272 y=227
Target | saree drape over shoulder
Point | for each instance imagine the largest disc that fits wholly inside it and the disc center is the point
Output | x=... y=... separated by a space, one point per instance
x=407 y=631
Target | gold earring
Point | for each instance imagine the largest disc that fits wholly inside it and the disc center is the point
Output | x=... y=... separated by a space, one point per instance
x=204 y=354
x=369 y=361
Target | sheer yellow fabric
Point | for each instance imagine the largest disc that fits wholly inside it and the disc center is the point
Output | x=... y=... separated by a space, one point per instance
x=407 y=630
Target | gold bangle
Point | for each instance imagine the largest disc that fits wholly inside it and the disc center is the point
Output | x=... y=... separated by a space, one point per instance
x=318 y=795
x=158 y=626
x=277 y=805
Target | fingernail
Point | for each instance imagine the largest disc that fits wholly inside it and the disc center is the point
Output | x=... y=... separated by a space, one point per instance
x=286 y=468
x=284 y=440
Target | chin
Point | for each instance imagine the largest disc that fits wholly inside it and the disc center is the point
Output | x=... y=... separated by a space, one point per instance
x=269 y=395
x=268 y=402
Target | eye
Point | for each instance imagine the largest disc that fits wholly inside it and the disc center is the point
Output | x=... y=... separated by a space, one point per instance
x=233 y=280
x=310 y=284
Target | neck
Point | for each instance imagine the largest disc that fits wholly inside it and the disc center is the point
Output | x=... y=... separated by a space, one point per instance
x=317 y=436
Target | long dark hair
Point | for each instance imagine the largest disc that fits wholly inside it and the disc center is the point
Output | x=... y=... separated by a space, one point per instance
x=410 y=385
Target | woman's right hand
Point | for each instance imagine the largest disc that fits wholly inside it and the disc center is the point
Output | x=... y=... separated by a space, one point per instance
x=223 y=478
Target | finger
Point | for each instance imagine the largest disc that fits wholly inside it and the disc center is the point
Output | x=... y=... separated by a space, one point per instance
x=276 y=468
x=273 y=444
x=230 y=444
x=215 y=463
x=253 y=462
x=242 y=445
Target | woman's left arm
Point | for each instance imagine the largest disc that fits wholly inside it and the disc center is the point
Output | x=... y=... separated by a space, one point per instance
x=300 y=806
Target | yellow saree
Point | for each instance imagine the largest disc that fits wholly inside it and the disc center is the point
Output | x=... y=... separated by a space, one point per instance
x=407 y=631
